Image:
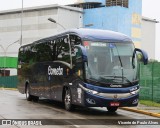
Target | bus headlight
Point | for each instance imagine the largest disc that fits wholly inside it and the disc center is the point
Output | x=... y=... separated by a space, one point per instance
x=92 y=91
x=134 y=92
x=88 y=90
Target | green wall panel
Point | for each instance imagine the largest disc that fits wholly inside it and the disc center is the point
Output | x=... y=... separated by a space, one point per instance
x=8 y=82
x=8 y=62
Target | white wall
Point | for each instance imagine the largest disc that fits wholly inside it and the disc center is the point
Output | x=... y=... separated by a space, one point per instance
x=148 y=38
x=35 y=25
x=69 y=19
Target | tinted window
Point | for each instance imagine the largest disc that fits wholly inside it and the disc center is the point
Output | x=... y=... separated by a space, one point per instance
x=26 y=55
x=62 y=51
x=78 y=62
x=43 y=52
x=51 y=50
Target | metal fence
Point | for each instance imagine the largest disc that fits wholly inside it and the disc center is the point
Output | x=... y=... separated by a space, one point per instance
x=150 y=81
x=8 y=82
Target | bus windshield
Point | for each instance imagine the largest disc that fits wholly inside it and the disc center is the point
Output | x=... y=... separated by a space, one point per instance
x=111 y=62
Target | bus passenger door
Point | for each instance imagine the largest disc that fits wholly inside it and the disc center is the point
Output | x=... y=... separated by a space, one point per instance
x=78 y=68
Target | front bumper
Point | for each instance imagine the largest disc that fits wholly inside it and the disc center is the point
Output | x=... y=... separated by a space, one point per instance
x=92 y=100
x=104 y=97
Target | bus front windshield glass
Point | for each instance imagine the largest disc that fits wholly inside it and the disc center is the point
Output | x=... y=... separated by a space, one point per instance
x=111 y=62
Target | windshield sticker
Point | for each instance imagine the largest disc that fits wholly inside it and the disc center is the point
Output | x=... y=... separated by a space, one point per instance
x=99 y=44
x=86 y=45
x=95 y=59
x=111 y=45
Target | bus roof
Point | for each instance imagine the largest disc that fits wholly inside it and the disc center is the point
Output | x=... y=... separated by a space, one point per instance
x=98 y=34
x=91 y=34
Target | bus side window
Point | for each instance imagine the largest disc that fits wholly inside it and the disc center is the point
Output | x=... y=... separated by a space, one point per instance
x=78 y=62
x=21 y=56
x=43 y=52
x=74 y=41
x=63 y=50
x=25 y=55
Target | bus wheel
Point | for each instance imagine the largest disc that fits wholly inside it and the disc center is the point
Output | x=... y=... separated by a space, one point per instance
x=28 y=96
x=68 y=100
x=112 y=109
x=35 y=98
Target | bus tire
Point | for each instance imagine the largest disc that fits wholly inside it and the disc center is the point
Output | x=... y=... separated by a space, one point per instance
x=35 y=98
x=28 y=96
x=68 y=100
x=112 y=109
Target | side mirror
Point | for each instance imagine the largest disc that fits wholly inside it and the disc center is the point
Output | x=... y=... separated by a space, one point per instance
x=142 y=55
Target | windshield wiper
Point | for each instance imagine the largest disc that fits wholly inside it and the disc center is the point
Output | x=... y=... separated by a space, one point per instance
x=123 y=77
x=93 y=80
x=112 y=77
x=120 y=60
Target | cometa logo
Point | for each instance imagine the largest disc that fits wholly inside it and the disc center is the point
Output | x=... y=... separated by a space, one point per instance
x=55 y=71
x=115 y=86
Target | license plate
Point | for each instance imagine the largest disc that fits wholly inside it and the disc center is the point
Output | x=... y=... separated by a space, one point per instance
x=114 y=104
